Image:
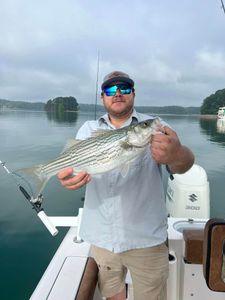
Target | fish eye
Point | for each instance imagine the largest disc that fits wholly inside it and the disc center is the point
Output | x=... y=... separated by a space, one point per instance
x=145 y=124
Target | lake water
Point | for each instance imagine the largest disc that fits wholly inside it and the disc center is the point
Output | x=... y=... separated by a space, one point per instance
x=28 y=138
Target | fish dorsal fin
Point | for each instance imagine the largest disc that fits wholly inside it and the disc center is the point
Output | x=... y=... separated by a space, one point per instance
x=99 y=132
x=70 y=143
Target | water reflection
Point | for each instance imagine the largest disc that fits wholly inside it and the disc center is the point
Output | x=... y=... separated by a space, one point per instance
x=62 y=117
x=211 y=129
x=29 y=138
x=220 y=125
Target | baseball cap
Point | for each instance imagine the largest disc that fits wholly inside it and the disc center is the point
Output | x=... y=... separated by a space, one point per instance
x=116 y=77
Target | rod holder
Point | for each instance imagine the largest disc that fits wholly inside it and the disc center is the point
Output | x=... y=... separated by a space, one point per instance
x=47 y=222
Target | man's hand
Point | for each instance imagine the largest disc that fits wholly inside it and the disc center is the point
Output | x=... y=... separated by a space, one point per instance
x=167 y=149
x=165 y=146
x=73 y=182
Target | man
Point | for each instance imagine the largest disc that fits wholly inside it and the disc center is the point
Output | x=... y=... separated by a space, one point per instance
x=125 y=217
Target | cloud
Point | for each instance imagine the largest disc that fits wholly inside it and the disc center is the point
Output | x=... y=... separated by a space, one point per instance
x=50 y=48
x=211 y=64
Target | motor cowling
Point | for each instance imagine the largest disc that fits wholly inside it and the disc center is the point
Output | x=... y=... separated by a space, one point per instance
x=187 y=194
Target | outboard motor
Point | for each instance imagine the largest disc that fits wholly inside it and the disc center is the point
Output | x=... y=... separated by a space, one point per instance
x=187 y=194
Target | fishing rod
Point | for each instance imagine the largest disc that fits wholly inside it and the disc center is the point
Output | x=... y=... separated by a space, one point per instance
x=96 y=89
x=223 y=7
x=36 y=203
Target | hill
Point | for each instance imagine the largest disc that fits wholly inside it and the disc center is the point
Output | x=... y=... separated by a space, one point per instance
x=212 y=103
x=180 y=110
x=20 y=105
x=41 y=106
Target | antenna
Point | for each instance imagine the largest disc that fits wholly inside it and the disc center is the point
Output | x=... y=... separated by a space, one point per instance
x=96 y=90
x=223 y=7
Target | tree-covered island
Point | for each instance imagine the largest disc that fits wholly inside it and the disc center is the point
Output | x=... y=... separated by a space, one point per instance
x=62 y=104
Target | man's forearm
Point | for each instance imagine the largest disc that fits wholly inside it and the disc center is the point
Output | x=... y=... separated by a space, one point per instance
x=183 y=162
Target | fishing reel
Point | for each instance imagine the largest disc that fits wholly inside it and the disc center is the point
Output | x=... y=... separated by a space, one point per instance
x=37 y=201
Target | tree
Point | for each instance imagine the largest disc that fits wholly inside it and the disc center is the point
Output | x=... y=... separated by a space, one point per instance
x=212 y=103
x=60 y=108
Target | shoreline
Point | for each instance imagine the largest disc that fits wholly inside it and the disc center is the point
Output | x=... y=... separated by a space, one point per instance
x=208 y=117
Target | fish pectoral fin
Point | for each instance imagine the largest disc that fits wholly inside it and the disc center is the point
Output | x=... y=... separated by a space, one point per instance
x=124 y=170
x=70 y=143
x=125 y=145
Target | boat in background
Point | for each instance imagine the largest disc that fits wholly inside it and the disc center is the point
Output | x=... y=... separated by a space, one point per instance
x=72 y=273
x=221 y=113
x=221 y=119
x=220 y=125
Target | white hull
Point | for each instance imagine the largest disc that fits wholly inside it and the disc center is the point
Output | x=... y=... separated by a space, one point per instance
x=221 y=125
x=62 y=278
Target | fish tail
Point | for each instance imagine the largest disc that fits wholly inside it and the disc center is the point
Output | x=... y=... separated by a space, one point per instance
x=34 y=179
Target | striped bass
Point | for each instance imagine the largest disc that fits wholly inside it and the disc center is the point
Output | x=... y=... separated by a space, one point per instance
x=105 y=150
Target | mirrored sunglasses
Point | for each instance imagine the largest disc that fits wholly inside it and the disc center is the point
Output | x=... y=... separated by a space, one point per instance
x=124 y=89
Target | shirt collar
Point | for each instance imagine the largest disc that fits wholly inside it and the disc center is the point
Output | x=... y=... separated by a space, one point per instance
x=132 y=119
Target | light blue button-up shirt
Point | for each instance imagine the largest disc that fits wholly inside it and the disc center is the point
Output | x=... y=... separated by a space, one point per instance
x=124 y=212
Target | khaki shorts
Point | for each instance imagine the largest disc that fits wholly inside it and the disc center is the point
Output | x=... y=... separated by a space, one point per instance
x=148 y=268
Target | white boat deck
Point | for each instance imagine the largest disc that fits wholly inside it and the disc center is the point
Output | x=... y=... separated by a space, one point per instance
x=63 y=275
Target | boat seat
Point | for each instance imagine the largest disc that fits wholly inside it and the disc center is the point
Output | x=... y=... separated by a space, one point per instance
x=193 y=239
x=214 y=254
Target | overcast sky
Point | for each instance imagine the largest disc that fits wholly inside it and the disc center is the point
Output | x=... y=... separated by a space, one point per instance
x=173 y=49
